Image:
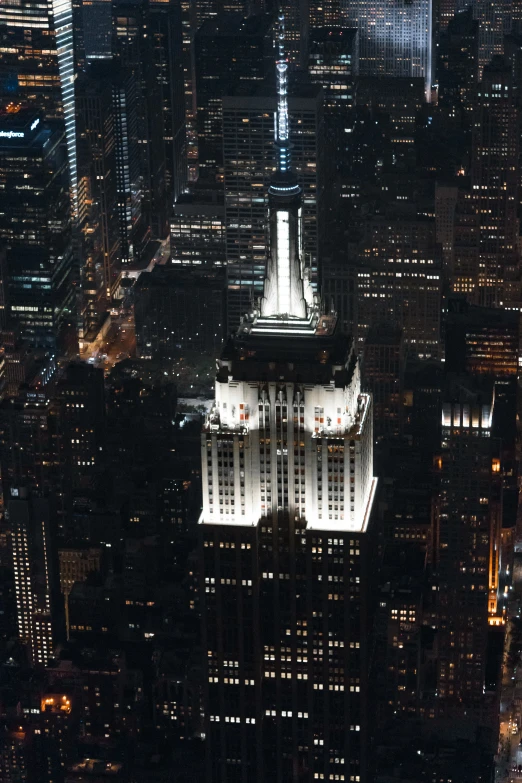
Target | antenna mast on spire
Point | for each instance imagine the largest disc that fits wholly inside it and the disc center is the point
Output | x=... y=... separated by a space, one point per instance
x=282 y=130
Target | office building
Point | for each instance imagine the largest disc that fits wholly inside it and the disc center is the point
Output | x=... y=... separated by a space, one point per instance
x=334 y=63
x=35 y=227
x=197 y=228
x=329 y=14
x=94 y=98
x=135 y=48
x=493 y=19
x=459 y=58
x=297 y=28
x=95 y=18
x=112 y=89
x=399 y=644
x=399 y=281
x=188 y=31
x=495 y=185
x=76 y=563
x=166 y=31
x=481 y=340
x=133 y=226
x=26 y=449
x=229 y=50
x=468 y=520
x=248 y=120
x=179 y=312
x=37 y=66
x=285 y=529
x=446 y=197
x=463 y=263
x=383 y=377
x=395 y=39
x=445 y=10
x=397 y=103
x=80 y=426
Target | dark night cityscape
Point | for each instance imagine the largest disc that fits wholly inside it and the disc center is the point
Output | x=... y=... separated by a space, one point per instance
x=260 y=391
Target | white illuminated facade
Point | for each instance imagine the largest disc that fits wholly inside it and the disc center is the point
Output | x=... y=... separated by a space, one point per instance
x=303 y=448
x=286 y=533
x=395 y=38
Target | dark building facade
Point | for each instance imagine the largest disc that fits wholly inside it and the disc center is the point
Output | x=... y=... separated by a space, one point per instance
x=334 y=63
x=134 y=48
x=95 y=104
x=178 y=313
x=197 y=228
x=468 y=525
x=229 y=49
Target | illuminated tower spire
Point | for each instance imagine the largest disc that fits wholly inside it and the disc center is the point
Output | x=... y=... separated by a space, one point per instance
x=287 y=293
x=282 y=135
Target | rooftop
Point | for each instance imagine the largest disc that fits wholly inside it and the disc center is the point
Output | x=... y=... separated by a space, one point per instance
x=324 y=356
x=232 y=24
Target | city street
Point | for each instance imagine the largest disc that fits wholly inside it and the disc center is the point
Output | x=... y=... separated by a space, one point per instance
x=509 y=760
x=119 y=342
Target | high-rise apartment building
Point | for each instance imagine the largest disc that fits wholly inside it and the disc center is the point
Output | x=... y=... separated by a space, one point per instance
x=29 y=521
x=285 y=529
x=495 y=185
x=230 y=50
x=248 y=120
x=37 y=65
x=35 y=227
x=395 y=39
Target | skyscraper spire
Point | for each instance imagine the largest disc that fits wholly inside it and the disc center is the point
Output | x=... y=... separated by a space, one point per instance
x=282 y=130
x=287 y=293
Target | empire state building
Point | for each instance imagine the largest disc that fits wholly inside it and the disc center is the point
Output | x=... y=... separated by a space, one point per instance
x=286 y=534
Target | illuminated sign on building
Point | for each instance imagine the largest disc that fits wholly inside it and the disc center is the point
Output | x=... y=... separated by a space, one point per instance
x=12 y=134
x=18 y=134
